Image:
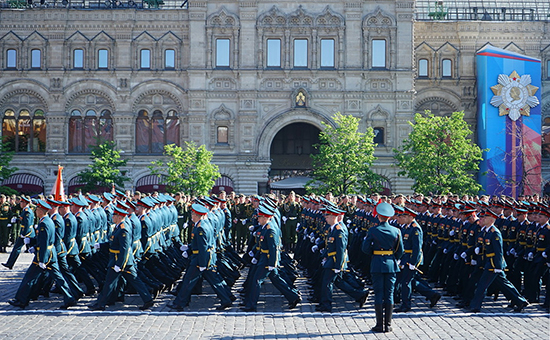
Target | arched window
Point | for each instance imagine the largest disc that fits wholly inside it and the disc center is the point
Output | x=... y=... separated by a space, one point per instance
x=423 y=68
x=447 y=70
x=153 y=131
x=25 y=132
x=223 y=135
x=89 y=131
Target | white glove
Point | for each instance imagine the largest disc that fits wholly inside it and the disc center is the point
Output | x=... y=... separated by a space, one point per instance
x=398 y=262
x=184 y=247
x=235 y=220
x=455 y=256
x=32 y=250
x=254 y=261
x=285 y=218
x=513 y=251
x=297 y=225
x=116 y=269
x=336 y=271
x=314 y=248
x=27 y=240
x=452 y=233
x=474 y=262
x=13 y=219
x=41 y=265
x=185 y=225
x=351 y=231
x=311 y=234
x=464 y=255
x=411 y=267
x=445 y=251
x=297 y=229
x=348 y=221
x=530 y=256
x=244 y=221
x=251 y=228
x=312 y=239
x=477 y=250
x=544 y=254
x=323 y=262
x=434 y=242
x=35 y=227
x=202 y=269
x=270 y=268
x=498 y=271
x=97 y=246
x=9 y=225
x=184 y=254
x=318 y=241
x=548 y=264
x=251 y=253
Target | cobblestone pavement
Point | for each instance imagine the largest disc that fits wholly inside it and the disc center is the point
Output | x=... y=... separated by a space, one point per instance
x=43 y=320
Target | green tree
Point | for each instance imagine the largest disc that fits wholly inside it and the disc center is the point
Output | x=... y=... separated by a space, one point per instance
x=5 y=158
x=104 y=171
x=345 y=156
x=189 y=169
x=439 y=155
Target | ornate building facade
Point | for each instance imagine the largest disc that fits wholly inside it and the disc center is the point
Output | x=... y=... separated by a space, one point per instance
x=252 y=80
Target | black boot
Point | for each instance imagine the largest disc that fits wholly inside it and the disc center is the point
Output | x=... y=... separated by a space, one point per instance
x=387 y=317
x=378 y=309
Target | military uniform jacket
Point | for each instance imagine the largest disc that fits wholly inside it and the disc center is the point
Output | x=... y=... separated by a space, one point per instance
x=412 y=244
x=385 y=245
x=269 y=246
x=59 y=234
x=335 y=248
x=199 y=245
x=45 y=250
x=27 y=222
x=5 y=213
x=120 y=247
x=542 y=243
x=70 y=234
x=493 y=253
x=82 y=233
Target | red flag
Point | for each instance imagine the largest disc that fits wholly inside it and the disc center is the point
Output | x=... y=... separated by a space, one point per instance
x=58 y=191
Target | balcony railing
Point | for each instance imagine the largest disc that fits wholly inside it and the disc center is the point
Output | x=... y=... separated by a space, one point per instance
x=89 y=5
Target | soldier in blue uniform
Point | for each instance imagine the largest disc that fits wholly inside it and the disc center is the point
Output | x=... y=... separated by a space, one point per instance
x=493 y=264
x=269 y=244
x=385 y=245
x=45 y=259
x=202 y=262
x=27 y=232
x=121 y=262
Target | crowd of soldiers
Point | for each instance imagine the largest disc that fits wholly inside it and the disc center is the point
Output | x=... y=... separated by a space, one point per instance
x=118 y=242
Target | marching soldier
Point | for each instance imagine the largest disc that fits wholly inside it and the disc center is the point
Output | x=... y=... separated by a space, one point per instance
x=27 y=232
x=385 y=245
x=5 y=223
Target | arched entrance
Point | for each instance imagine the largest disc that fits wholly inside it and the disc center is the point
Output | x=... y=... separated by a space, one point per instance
x=24 y=183
x=290 y=153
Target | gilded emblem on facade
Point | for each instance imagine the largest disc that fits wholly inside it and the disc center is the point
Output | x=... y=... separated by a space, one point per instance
x=514 y=95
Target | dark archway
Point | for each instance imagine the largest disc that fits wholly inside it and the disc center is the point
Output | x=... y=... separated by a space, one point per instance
x=291 y=149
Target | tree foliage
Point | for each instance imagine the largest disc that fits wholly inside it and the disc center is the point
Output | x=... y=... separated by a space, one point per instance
x=189 y=169
x=104 y=171
x=5 y=158
x=439 y=156
x=345 y=156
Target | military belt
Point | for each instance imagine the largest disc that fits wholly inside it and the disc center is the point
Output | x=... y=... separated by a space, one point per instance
x=332 y=253
x=195 y=252
x=292 y=218
x=265 y=251
x=48 y=247
x=541 y=249
x=407 y=251
x=3 y=218
x=490 y=255
x=382 y=252
x=114 y=251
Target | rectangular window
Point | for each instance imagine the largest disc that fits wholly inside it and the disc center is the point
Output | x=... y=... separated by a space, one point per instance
x=423 y=68
x=102 y=59
x=273 y=53
x=11 y=59
x=35 y=59
x=379 y=53
x=145 y=59
x=169 y=59
x=222 y=52
x=223 y=137
x=300 y=53
x=78 y=58
x=447 y=68
x=327 y=53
